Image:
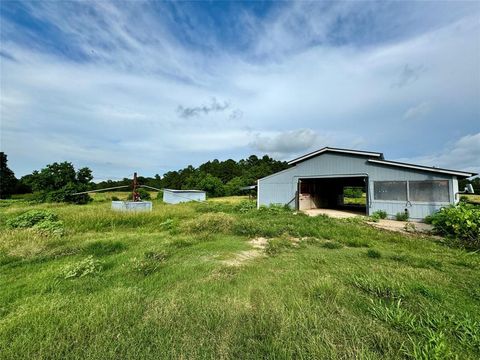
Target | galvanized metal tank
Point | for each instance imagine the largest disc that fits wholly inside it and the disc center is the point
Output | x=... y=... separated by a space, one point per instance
x=132 y=205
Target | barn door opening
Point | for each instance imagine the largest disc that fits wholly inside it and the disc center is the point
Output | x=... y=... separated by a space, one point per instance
x=340 y=193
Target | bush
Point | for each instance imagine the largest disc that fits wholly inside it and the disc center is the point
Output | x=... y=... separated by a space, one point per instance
x=353 y=192
x=43 y=221
x=245 y=206
x=50 y=227
x=379 y=214
x=65 y=194
x=31 y=218
x=402 y=216
x=88 y=266
x=460 y=222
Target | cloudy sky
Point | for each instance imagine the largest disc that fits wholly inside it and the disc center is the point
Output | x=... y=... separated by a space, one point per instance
x=152 y=87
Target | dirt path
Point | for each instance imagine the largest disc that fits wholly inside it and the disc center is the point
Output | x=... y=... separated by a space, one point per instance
x=403 y=226
x=258 y=245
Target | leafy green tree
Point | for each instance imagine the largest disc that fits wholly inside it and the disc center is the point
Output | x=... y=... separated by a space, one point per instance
x=84 y=175
x=53 y=177
x=475 y=184
x=8 y=181
x=233 y=186
x=212 y=185
x=58 y=182
x=232 y=175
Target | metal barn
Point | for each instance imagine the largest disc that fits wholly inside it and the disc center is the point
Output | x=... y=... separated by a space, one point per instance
x=319 y=180
x=178 y=196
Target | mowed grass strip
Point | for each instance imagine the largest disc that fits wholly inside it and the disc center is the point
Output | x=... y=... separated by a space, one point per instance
x=159 y=285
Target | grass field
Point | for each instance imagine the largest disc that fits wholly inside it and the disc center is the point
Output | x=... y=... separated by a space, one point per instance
x=185 y=282
x=473 y=198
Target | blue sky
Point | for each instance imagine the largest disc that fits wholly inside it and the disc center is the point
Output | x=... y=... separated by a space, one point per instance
x=155 y=86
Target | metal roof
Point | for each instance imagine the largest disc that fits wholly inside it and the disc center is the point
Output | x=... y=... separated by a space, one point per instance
x=377 y=157
x=424 y=168
x=338 y=150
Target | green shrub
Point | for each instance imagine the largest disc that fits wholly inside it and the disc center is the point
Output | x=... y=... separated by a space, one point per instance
x=402 y=216
x=31 y=218
x=87 y=266
x=379 y=214
x=460 y=222
x=115 y=198
x=245 y=206
x=65 y=194
x=50 y=227
x=43 y=221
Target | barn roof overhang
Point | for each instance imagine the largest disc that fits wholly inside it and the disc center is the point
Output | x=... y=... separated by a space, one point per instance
x=335 y=150
x=461 y=174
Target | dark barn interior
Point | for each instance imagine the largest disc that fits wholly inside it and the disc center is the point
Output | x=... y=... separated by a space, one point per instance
x=329 y=193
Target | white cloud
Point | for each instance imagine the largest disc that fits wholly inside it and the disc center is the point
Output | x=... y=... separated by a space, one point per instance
x=287 y=142
x=463 y=154
x=119 y=109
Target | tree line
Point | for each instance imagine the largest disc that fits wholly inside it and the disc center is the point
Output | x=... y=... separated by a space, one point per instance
x=57 y=181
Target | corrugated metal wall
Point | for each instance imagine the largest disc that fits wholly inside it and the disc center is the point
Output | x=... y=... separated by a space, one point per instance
x=172 y=197
x=280 y=188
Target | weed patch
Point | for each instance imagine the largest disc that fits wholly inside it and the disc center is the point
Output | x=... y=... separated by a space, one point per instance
x=30 y=219
x=212 y=223
x=278 y=245
x=150 y=263
x=85 y=267
x=42 y=221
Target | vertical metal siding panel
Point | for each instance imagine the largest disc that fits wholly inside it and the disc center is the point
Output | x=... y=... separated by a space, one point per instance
x=176 y=198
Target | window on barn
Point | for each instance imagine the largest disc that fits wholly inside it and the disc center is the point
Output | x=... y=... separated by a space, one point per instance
x=390 y=190
x=429 y=191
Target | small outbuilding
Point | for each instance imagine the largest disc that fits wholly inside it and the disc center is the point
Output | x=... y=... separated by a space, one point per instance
x=326 y=178
x=178 y=196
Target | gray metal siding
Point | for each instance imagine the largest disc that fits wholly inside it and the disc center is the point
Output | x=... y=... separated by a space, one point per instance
x=171 y=197
x=280 y=188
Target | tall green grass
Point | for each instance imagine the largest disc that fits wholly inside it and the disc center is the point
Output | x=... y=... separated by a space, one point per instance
x=158 y=285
